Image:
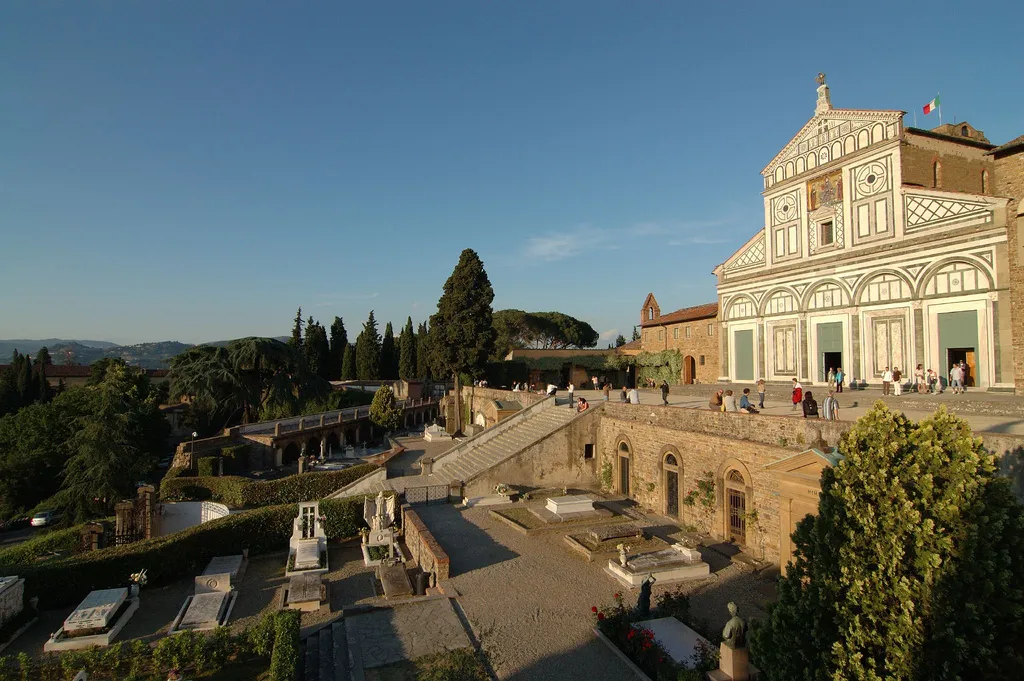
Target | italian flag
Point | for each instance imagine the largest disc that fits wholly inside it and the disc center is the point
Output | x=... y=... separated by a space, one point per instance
x=931 y=106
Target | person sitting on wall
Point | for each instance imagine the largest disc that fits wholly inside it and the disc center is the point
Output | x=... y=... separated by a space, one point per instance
x=552 y=389
x=810 y=406
x=745 y=406
x=583 y=405
x=715 y=403
x=729 y=402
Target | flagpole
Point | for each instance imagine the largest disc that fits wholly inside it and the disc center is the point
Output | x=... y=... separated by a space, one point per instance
x=938 y=96
x=915 y=118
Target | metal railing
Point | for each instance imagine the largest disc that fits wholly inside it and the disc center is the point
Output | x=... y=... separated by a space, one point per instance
x=297 y=423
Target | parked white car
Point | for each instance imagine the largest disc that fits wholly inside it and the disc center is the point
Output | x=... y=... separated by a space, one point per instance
x=44 y=519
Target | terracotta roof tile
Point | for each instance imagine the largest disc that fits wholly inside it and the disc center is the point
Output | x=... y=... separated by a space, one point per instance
x=687 y=314
x=1015 y=142
x=631 y=345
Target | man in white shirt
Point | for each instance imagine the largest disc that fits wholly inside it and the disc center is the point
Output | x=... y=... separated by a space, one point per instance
x=634 y=396
x=572 y=401
x=956 y=379
x=886 y=381
x=552 y=389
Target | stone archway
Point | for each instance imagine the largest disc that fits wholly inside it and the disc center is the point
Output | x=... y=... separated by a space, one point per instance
x=623 y=467
x=291 y=454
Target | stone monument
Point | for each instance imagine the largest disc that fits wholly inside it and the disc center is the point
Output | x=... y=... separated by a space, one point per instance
x=379 y=515
x=12 y=598
x=734 y=659
x=96 y=621
x=209 y=607
x=307 y=548
x=677 y=563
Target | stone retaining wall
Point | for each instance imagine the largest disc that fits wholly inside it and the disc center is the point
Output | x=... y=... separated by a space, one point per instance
x=422 y=546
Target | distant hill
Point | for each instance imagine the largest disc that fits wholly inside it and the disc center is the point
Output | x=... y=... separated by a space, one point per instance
x=26 y=346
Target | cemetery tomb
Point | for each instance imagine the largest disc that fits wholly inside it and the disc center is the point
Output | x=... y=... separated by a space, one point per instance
x=570 y=504
x=394 y=580
x=676 y=564
x=96 y=611
x=233 y=565
x=12 y=597
x=306 y=592
x=307 y=555
x=96 y=621
x=210 y=606
x=678 y=640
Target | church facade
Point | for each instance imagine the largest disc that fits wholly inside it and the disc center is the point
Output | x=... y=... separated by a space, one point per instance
x=882 y=246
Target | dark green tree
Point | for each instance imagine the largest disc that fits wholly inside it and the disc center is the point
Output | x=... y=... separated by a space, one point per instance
x=10 y=396
x=422 y=352
x=296 y=340
x=407 y=352
x=28 y=388
x=98 y=369
x=461 y=332
x=339 y=339
x=388 y=354
x=317 y=349
x=368 y=351
x=620 y=340
x=636 y=334
x=913 y=568
x=384 y=410
x=348 y=363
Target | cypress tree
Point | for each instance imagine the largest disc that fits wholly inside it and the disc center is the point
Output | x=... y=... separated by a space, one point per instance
x=462 y=333
x=368 y=351
x=348 y=363
x=339 y=339
x=296 y=340
x=422 y=354
x=43 y=391
x=388 y=354
x=317 y=349
x=407 y=352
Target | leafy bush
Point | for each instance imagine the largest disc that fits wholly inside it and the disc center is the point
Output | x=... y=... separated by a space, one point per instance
x=207 y=466
x=65 y=581
x=235 y=458
x=284 y=662
x=177 y=472
x=238 y=492
x=261 y=636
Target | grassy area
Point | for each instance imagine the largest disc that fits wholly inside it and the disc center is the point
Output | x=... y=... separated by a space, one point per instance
x=454 y=665
x=521 y=516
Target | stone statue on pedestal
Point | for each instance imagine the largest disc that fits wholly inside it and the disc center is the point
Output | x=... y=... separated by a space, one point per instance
x=735 y=633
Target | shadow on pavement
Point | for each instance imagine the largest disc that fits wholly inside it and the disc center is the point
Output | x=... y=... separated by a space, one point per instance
x=468 y=547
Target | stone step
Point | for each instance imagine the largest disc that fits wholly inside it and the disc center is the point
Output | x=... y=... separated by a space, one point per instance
x=312 y=658
x=326 y=655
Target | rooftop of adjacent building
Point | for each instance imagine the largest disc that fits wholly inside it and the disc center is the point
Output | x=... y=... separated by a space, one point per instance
x=686 y=314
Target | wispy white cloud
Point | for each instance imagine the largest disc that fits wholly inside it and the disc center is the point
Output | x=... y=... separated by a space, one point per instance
x=582 y=239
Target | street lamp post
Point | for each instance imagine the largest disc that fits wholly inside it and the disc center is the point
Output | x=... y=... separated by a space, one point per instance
x=193 y=457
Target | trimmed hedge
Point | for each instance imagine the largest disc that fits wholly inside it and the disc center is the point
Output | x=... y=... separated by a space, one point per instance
x=235 y=458
x=207 y=466
x=238 y=492
x=65 y=581
x=45 y=543
x=284 y=662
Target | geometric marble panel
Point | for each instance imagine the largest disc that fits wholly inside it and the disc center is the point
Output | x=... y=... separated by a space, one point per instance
x=927 y=211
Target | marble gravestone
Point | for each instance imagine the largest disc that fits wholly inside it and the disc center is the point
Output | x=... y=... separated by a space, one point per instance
x=233 y=565
x=308 y=540
x=570 y=504
x=306 y=592
x=210 y=606
x=96 y=611
x=12 y=598
x=93 y=622
x=675 y=564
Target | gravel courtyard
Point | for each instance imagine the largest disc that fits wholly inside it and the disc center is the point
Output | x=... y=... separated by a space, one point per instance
x=528 y=598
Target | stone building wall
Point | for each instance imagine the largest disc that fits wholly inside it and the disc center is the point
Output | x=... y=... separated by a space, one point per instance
x=1009 y=181
x=425 y=550
x=699 y=345
x=961 y=165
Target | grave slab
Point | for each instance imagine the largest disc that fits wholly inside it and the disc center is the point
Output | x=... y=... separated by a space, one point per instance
x=678 y=640
x=306 y=592
x=204 y=611
x=667 y=566
x=395 y=581
x=12 y=597
x=213 y=583
x=617 y=531
x=233 y=565
x=96 y=611
x=307 y=555
x=570 y=504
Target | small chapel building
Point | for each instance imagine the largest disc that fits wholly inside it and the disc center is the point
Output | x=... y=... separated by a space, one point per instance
x=882 y=246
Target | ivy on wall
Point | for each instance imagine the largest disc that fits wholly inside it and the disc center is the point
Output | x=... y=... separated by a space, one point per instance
x=666 y=365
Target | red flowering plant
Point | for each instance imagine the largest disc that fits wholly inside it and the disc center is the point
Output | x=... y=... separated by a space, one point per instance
x=637 y=643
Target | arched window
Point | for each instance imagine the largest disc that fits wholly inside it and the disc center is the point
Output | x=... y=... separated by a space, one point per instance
x=670 y=460
x=650 y=313
x=735 y=499
x=965 y=132
x=735 y=476
x=937 y=175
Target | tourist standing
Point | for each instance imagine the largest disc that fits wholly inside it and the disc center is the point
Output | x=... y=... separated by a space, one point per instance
x=810 y=406
x=965 y=374
x=760 y=393
x=840 y=378
x=956 y=379
x=572 y=389
x=897 y=381
x=664 y=392
x=919 y=384
x=607 y=389
x=830 y=407
x=593 y=379
x=933 y=379
x=886 y=381
x=831 y=378
x=798 y=393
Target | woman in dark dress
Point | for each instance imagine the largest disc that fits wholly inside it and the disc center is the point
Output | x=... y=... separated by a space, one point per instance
x=810 y=406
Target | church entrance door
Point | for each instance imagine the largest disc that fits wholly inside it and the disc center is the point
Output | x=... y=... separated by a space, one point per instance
x=689 y=370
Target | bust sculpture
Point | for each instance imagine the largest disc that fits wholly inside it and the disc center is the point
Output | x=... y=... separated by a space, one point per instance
x=735 y=633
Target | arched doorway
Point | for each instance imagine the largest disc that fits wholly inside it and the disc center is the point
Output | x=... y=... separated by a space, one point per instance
x=291 y=454
x=670 y=465
x=689 y=370
x=624 y=455
x=736 y=506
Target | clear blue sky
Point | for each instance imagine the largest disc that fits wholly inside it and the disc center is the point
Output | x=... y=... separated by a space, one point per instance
x=196 y=170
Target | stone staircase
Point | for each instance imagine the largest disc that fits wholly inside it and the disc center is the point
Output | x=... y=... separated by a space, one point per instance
x=324 y=654
x=474 y=460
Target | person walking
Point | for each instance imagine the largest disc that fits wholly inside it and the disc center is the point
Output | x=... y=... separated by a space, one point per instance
x=886 y=381
x=840 y=378
x=664 y=392
x=810 y=406
x=956 y=379
x=760 y=393
x=607 y=390
x=830 y=407
x=965 y=375
x=593 y=379
x=798 y=393
x=897 y=381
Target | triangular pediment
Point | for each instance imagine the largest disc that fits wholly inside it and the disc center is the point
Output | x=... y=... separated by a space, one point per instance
x=807 y=464
x=835 y=125
x=750 y=254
